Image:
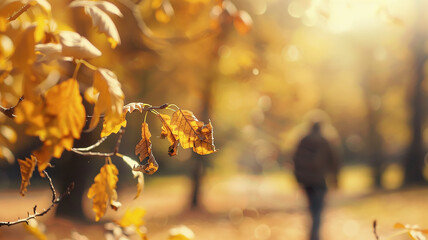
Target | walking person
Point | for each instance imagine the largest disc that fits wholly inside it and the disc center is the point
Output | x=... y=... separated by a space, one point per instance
x=315 y=161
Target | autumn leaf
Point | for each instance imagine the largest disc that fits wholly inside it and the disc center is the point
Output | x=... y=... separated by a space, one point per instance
x=167 y=133
x=137 y=174
x=144 y=149
x=103 y=190
x=414 y=231
x=27 y=167
x=131 y=107
x=34 y=228
x=192 y=133
x=100 y=20
x=181 y=233
x=24 y=54
x=242 y=22
x=134 y=218
x=110 y=102
x=48 y=51
x=57 y=119
x=74 y=45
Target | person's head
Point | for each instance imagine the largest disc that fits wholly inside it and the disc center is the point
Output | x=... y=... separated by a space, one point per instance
x=316 y=127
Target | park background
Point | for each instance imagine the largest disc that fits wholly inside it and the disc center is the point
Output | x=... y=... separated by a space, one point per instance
x=359 y=66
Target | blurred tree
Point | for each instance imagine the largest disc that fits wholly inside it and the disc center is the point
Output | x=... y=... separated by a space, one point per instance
x=414 y=160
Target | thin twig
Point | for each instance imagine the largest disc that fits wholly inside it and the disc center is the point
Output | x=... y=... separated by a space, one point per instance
x=98 y=154
x=10 y=112
x=18 y=13
x=92 y=146
x=55 y=201
x=119 y=139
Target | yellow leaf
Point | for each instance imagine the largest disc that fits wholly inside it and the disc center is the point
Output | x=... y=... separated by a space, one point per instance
x=132 y=218
x=24 y=54
x=43 y=155
x=156 y=4
x=181 y=233
x=167 y=133
x=242 y=22
x=57 y=119
x=74 y=45
x=144 y=149
x=137 y=174
x=8 y=133
x=5 y=153
x=27 y=167
x=110 y=102
x=34 y=229
x=48 y=51
x=103 y=190
x=103 y=5
x=100 y=20
x=104 y=24
x=193 y=133
x=164 y=13
x=45 y=5
x=65 y=103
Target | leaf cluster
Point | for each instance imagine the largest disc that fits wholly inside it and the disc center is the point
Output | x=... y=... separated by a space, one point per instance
x=45 y=57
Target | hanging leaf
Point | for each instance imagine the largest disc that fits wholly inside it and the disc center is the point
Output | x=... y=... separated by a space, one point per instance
x=103 y=190
x=110 y=102
x=192 y=133
x=100 y=20
x=74 y=45
x=35 y=229
x=144 y=149
x=27 y=167
x=167 y=133
x=137 y=174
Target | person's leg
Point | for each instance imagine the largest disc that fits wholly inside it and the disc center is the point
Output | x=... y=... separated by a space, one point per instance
x=316 y=202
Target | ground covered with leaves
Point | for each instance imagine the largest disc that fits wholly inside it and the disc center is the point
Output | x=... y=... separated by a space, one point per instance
x=238 y=207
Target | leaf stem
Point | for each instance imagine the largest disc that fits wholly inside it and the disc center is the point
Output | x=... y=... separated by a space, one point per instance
x=76 y=70
x=87 y=64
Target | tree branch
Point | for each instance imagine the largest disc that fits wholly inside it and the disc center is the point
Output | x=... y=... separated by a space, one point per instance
x=10 y=112
x=85 y=151
x=55 y=201
x=18 y=13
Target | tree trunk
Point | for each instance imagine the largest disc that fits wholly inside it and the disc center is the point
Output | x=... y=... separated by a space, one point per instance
x=414 y=161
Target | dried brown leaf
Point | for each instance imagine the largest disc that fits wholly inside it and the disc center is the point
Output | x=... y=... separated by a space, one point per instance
x=144 y=150
x=27 y=167
x=192 y=133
